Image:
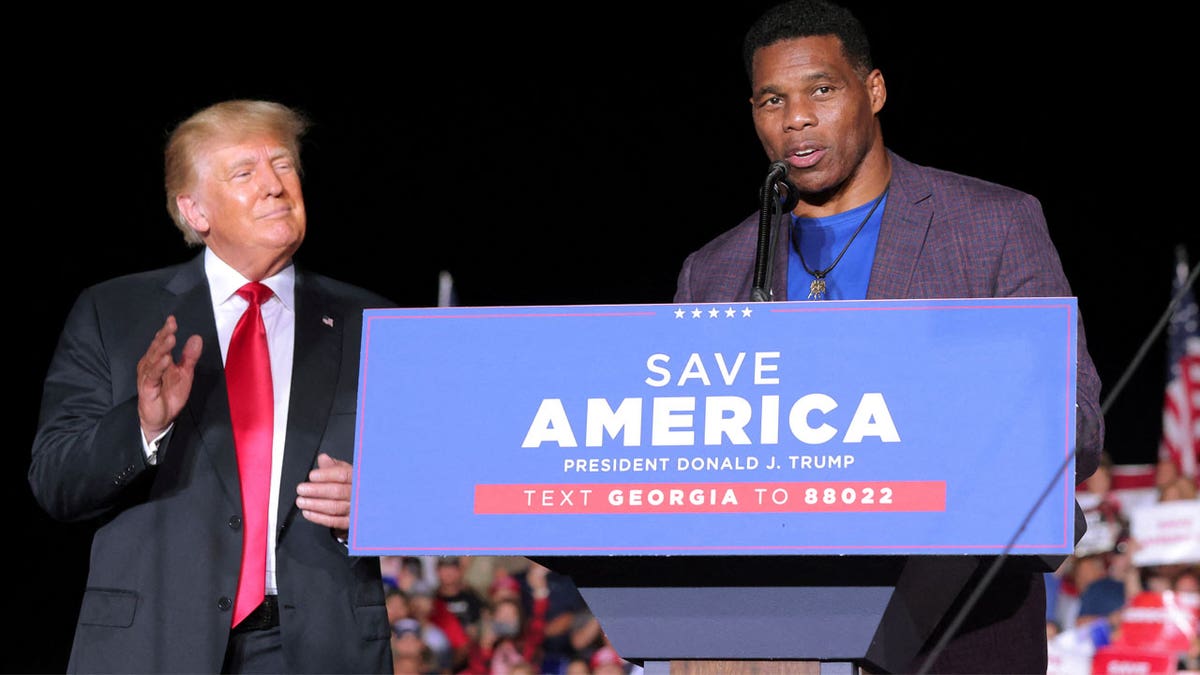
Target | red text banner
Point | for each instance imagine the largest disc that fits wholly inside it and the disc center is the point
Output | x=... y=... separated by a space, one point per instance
x=831 y=497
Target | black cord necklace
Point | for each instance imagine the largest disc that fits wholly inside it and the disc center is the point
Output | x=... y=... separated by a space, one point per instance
x=816 y=289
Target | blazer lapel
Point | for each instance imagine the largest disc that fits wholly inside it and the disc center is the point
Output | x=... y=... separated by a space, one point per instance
x=902 y=234
x=316 y=362
x=208 y=402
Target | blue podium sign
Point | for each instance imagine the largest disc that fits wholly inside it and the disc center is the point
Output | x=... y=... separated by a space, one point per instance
x=835 y=427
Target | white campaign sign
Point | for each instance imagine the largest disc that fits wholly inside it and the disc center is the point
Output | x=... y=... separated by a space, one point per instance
x=1166 y=533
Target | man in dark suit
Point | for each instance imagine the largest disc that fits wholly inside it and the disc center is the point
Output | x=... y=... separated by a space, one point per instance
x=137 y=432
x=870 y=225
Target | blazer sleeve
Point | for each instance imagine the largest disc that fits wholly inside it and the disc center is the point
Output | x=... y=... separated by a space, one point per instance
x=87 y=449
x=1030 y=267
x=683 y=284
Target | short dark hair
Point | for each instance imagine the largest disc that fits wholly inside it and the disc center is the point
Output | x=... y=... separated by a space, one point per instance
x=808 y=18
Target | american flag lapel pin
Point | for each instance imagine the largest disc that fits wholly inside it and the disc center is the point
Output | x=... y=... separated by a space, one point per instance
x=328 y=321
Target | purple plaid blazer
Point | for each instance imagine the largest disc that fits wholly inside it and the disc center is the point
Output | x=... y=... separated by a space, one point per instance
x=943 y=235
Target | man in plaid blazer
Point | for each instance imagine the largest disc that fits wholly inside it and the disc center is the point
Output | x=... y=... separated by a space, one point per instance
x=869 y=224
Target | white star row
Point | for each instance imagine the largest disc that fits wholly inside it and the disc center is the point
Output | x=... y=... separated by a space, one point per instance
x=713 y=313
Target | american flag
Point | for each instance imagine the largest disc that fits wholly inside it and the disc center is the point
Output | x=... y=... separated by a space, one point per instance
x=1180 y=442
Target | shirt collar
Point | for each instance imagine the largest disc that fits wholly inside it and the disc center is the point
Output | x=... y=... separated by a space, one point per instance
x=224 y=281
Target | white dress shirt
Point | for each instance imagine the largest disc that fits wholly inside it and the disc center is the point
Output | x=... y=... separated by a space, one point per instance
x=279 y=315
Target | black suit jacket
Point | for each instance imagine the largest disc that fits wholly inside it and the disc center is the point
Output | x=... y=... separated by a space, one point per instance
x=165 y=555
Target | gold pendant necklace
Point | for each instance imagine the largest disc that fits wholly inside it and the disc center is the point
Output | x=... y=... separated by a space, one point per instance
x=816 y=289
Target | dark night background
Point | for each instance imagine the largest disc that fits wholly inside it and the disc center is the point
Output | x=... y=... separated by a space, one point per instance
x=570 y=157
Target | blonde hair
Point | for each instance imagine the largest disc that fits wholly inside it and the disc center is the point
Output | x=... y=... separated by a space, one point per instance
x=229 y=120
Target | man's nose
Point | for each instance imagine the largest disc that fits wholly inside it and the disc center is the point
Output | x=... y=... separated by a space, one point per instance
x=269 y=182
x=800 y=114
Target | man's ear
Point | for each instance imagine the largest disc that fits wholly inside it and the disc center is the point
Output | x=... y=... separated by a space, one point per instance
x=877 y=88
x=192 y=213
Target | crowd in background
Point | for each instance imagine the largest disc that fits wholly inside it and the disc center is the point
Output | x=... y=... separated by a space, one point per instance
x=1092 y=596
x=491 y=615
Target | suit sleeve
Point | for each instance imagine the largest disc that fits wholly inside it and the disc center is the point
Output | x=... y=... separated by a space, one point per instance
x=1030 y=267
x=87 y=449
x=683 y=284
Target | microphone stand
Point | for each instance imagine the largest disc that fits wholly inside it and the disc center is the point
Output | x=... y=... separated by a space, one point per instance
x=771 y=203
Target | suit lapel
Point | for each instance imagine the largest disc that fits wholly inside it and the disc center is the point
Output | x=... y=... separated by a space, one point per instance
x=316 y=362
x=208 y=402
x=902 y=233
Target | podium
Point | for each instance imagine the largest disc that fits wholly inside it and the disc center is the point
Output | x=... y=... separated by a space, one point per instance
x=730 y=490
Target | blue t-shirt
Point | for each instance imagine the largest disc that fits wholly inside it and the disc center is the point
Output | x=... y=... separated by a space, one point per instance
x=822 y=239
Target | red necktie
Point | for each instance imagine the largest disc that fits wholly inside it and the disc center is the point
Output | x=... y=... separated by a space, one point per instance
x=252 y=411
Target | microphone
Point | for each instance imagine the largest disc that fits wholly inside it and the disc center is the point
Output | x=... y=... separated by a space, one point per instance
x=780 y=196
x=779 y=169
x=785 y=192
